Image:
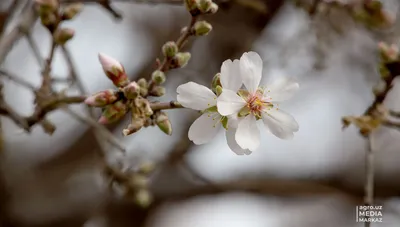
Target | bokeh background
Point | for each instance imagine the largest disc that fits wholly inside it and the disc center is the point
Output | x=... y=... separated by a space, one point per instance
x=57 y=180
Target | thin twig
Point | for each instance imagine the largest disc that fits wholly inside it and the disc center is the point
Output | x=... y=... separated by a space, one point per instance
x=35 y=49
x=15 y=78
x=98 y=135
x=165 y=106
x=8 y=15
x=100 y=128
x=28 y=19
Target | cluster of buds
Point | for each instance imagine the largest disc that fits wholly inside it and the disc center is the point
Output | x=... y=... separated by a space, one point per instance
x=51 y=16
x=135 y=185
x=130 y=96
x=197 y=7
x=372 y=14
x=389 y=54
x=177 y=59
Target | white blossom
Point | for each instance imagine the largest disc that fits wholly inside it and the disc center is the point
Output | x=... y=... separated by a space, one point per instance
x=198 y=97
x=257 y=103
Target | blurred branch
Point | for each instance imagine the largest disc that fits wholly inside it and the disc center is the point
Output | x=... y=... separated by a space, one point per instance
x=99 y=131
x=26 y=21
x=6 y=16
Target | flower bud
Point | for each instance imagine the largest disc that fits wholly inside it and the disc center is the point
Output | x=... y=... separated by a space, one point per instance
x=48 y=19
x=180 y=60
x=113 y=112
x=216 y=81
x=102 y=98
x=132 y=90
x=47 y=6
x=201 y=28
x=63 y=35
x=204 y=5
x=389 y=53
x=163 y=123
x=114 y=70
x=169 y=49
x=191 y=4
x=144 y=106
x=213 y=8
x=139 y=181
x=146 y=168
x=135 y=125
x=142 y=82
x=143 y=198
x=71 y=11
x=157 y=91
x=158 y=77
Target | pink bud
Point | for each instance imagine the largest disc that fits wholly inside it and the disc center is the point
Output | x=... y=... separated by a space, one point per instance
x=102 y=98
x=114 y=70
x=113 y=112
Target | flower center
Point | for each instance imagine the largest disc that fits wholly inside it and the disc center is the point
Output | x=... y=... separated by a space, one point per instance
x=257 y=103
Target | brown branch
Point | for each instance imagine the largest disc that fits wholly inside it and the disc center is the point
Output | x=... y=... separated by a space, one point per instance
x=165 y=106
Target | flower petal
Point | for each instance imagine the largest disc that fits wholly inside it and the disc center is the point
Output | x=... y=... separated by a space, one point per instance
x=230 y=75
x=204 y=128
x=229 y=103
x=196 y=96
x=282 y=89
x=251 y=66
x=247 y=134
x=280 y=123
x=230 y=139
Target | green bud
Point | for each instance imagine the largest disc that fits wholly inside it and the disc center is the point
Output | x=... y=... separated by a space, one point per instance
x=113 y=112
x=143 y=198
x=158 y=77
x=216 y=81
x=157 y=91
x=63 y=35
x=213 y=8
x=191 y=4
x=142 y=82
x=139 y=181
x=47 y=6
x=201 y=28
x=48 y=19
x=163 y=123
x=71 y=11
x=146 y=168
x=180 y=60
x=204 y=5
x=131 y=90
x=169 y=49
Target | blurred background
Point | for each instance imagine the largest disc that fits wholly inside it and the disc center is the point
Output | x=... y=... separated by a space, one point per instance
x=58 y=180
